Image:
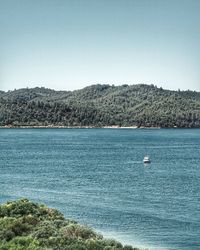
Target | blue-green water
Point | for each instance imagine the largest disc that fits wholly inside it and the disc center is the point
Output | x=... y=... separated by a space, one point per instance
x=96 y=176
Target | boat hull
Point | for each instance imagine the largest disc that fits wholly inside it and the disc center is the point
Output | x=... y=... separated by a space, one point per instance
x=147 y=161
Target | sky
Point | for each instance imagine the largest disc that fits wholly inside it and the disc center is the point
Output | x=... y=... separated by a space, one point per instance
x=70 y=44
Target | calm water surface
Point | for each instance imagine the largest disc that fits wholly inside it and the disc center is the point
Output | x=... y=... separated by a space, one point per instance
x=96 y=176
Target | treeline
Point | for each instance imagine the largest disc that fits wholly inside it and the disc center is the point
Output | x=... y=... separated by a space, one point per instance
x=101 y=105
x=25 y=225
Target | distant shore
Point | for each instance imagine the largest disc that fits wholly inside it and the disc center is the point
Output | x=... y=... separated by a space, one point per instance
x=92 y=127
x=100 y=106
x=86 y=127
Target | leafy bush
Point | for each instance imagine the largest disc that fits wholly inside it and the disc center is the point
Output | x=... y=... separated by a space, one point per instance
x=25 y=225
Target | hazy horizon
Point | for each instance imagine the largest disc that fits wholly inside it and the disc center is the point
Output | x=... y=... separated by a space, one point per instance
x=68 y=45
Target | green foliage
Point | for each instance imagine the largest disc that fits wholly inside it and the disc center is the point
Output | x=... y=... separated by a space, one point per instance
x=25 y=225
x=101 y=105
x=21 y=243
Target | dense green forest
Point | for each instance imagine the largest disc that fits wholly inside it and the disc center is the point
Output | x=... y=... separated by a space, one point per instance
x=25 y=225
x=101 y=105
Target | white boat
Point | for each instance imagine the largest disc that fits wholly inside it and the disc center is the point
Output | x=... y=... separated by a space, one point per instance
x=146 y=159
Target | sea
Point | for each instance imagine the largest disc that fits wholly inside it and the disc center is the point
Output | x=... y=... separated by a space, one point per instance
x=97 y=177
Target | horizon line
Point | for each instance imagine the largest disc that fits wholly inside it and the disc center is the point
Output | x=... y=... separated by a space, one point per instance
x=111 y=85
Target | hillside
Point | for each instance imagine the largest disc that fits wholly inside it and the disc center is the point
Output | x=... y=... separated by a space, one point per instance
x=101 y=105
x=25 y=225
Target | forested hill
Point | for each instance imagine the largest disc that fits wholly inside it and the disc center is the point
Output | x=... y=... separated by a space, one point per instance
x=101 y=105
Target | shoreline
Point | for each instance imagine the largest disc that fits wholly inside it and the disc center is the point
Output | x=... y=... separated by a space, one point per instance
x=92 y=127
x=83 y=127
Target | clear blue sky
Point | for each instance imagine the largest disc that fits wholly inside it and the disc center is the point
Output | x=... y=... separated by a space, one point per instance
x=69 y=44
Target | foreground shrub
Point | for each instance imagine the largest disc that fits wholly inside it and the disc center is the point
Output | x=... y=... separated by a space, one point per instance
x=25 y=225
